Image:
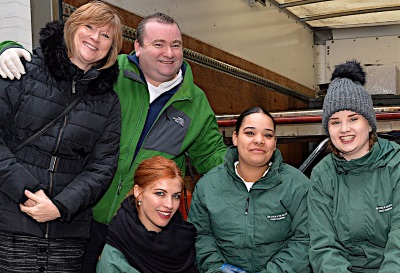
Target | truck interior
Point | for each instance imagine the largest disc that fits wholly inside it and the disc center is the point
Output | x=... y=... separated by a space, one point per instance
x=278 y=54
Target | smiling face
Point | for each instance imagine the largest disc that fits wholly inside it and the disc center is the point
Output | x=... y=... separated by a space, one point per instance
x=349 y=133
x=161 y=55
x=158 y=202
x=91 y=44
x=256 y=141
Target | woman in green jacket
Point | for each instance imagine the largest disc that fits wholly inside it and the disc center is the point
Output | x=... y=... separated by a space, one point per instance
x=148 y=234
x=250 y=212
x=354 y=210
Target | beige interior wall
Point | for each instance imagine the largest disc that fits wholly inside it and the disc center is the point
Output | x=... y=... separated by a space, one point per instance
x=15 y=22
x=376 y=48
x=262 y=35
x=41 y=14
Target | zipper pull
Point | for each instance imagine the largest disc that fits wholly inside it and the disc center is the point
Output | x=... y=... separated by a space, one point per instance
x=73 y=87
x=119 y=187
x=247 y=206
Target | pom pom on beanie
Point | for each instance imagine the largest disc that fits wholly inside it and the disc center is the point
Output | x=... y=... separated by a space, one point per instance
x=346 y=92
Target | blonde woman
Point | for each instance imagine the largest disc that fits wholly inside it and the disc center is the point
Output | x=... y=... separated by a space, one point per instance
x=48 y=187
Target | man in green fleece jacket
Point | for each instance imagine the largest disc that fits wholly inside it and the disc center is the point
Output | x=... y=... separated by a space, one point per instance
x=163 y=113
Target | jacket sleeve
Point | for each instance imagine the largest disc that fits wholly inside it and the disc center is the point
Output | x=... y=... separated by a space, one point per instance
x=113 y=261
x=14 y=178
x=208 y=150
x=208 y=255
x=90 y=185
x=326 y=253
x=391 y=262
x=294 y=257
x=9 y=44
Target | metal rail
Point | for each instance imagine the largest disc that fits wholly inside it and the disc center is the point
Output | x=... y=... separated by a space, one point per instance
x=302 y=123
x=309 y=116
x=321 y=146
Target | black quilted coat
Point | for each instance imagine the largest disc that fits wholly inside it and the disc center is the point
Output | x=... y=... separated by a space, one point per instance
x=85 y=142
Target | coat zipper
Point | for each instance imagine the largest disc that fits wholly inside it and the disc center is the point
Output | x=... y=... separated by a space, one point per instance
x=133 y=159
x=119 y=186
x=73 y=86
x=247 y=206
x=51 y=172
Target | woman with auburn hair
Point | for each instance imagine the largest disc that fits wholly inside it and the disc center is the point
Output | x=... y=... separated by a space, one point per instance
x=49 y=185
x=148 y=233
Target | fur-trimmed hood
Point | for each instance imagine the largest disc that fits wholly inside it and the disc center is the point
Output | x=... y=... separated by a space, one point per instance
x=54 y=52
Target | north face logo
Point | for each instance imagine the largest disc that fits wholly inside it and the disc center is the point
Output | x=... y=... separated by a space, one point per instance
x=179 y=120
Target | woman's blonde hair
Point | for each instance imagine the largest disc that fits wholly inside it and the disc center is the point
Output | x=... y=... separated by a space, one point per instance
x=98 y=14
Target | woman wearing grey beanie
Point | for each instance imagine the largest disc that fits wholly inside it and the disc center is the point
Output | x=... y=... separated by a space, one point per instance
x=354 y=200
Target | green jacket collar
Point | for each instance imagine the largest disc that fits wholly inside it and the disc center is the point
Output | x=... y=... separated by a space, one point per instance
x=270 y=180
x=380 y=154
x=186 y=90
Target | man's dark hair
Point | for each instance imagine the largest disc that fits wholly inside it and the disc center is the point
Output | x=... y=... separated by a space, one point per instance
x=158 y=17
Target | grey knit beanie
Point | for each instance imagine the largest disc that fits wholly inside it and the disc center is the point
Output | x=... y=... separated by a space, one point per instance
x=346 y=92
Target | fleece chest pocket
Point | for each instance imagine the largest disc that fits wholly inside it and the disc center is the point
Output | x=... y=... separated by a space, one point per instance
x=168 y=132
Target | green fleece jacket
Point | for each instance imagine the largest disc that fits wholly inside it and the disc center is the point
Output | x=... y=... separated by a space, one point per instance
x=261 y=230
x=354 y=212
x=185 y=124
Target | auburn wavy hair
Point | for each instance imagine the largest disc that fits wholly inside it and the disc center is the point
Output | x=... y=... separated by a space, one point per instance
x=153 y=170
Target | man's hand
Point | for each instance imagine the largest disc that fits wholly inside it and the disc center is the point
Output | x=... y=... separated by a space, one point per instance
x=44 y=210
x=10 y=63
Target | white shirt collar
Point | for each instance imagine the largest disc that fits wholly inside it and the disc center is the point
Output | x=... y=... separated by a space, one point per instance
x=248 y=184
x=156 y=91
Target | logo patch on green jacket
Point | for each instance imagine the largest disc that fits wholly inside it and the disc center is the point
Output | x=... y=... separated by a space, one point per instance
x=277 y=217
x=384 y=208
